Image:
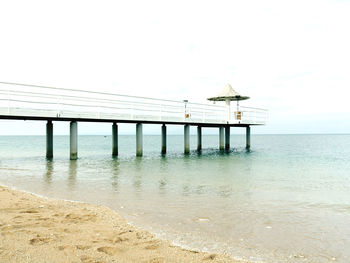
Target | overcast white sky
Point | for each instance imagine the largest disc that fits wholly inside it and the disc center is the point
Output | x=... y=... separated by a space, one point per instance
x=292 y=57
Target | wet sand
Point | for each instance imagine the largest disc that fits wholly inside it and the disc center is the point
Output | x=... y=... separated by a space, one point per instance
x=36 y=229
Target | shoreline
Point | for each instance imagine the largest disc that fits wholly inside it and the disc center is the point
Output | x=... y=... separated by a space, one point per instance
x=35 y=228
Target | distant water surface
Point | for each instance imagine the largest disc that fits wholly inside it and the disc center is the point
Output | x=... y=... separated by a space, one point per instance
x=286 y=200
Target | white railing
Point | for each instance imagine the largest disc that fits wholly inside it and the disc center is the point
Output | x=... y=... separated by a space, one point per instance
x=39 y=101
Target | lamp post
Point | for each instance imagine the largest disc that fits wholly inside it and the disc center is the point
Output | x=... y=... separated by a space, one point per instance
x=185 y=108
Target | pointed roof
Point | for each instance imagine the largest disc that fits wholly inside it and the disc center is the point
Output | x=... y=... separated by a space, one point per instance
x=228 y=93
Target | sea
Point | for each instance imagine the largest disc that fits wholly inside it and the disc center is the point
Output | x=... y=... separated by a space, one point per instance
x=287 y=199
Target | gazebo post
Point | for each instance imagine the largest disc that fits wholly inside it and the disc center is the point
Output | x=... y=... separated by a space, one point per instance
x=228 y=110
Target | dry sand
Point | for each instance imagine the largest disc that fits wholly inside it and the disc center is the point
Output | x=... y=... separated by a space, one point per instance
x=35 y=229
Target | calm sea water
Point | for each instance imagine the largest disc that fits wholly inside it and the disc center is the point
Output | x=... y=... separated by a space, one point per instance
x=287 y=200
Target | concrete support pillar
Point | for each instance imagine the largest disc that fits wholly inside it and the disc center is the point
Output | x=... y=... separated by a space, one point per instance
x=227 y=138
x=247 y=138
x=139 y=143
x=49 y=139
x=221 y=138
x=73 y=140
x=163 y=150
x=114 y=139
x=199 y=139
x=187 y=139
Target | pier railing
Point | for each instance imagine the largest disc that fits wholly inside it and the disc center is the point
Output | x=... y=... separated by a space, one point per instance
x=50 y=102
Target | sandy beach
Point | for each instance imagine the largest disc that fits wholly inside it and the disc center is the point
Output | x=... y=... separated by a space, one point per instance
x=36 y=229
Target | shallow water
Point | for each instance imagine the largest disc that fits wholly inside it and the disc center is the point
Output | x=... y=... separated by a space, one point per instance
x=286 y=200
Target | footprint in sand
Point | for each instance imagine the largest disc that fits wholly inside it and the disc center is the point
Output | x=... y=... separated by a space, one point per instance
x=64 y=247
x=116 y=240
x=40 y=240
x=151 y=245
x=87 y=259
x=44 y=218
x=210 y=257
x=81 y=218
x=30 y=211
x=82 y=247
x=109 y=250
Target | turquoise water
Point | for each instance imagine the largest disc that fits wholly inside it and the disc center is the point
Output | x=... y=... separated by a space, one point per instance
x=286 y=200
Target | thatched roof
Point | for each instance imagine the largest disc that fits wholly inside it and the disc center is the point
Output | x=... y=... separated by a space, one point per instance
x=228 y=93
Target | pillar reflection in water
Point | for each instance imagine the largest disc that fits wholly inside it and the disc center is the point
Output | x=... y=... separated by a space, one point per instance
x=186 y=189
x=163 y=172
x=48 y=172
x=114 y=164
x=138 y=175
x=72 y=173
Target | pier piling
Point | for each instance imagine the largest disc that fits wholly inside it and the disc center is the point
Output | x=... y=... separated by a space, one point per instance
x=73 y=140
x=227 y=138
x=139 y=144
x=247 y=137
x=114 y=139
x=187 y=139
x=49 y=139
x=221 y=138
x=199 y=138
x=163 y=150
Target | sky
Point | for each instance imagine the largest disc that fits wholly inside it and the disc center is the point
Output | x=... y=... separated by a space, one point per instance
x=290 y=57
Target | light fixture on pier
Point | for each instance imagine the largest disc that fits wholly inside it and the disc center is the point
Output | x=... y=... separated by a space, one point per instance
x=186 y=113
x=228 y=94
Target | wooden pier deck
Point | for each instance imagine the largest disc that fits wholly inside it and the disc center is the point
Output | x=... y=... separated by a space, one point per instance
x=32 y=102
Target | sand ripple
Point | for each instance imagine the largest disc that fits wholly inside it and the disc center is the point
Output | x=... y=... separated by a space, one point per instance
x=33 y=229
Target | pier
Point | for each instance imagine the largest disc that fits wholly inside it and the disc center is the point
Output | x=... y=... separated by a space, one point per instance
x=50 y=104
